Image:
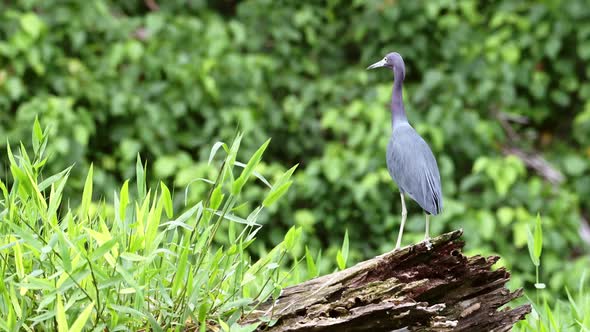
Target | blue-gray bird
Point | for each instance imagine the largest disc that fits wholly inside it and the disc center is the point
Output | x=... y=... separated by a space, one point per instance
x=410 y=161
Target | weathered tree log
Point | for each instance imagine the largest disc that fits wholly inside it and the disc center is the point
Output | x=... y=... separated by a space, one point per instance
x=416 y=288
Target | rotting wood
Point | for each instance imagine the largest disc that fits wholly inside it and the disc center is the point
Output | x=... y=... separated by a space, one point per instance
x=412 y=289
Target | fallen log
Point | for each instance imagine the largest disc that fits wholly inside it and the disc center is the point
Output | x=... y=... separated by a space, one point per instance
x=417 y=288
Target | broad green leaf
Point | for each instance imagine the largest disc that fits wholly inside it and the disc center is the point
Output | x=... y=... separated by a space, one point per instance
x=37 y=131
x=202 y=239
x=285 y=177
x=249 y=169
x=179 y=277
x=10 y=155
x=4 y=190
x=154 y=218
x=312 y=270
x=56 y=196
x=224 y=326
x=216 y=197
x=16 y=307
x=37 y=135
x=127 y=310
x=60 y=315
x=203 y=312
x=274 y=195
x=35 y=191
x=230 y=160
x=531 y=247
x=538 y=237
x=82 y=319
x=140 y=178
x=214 y=149
x=38 y=283
x=345 y=247
x=132 y=257
x=103 y=249
x=124 y=200
x=234 y=218
x=290 y=238
x=167 y=199
x=64 y=251
x=340 y=260
x=87 y=194
x=189 y=213
x=153 y=323
x=128 y=277
x=256 y=174
x=18 y=258
x=54 y=178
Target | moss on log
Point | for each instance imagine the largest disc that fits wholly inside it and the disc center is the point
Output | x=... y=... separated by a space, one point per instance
x=416 y=288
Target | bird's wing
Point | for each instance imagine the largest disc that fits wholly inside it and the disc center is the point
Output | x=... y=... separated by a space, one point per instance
x=413 y=167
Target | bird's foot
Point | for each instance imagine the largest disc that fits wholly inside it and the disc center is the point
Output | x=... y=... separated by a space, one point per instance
x=428 y=243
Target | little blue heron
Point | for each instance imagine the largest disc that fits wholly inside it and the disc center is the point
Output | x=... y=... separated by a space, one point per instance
x=410 y=161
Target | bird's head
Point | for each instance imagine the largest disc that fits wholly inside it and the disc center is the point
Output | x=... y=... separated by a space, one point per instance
x=392 y=61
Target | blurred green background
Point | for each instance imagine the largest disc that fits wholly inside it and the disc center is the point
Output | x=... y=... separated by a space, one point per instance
x=499 y=89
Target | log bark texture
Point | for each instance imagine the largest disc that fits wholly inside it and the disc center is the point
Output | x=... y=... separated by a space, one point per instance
x=417 y=288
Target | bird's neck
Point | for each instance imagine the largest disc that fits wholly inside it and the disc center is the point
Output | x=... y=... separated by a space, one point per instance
x=398 y=113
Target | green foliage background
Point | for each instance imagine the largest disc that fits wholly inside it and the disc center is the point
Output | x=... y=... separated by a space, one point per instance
x=114 y=78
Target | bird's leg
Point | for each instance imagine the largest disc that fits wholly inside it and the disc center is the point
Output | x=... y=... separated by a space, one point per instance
x=427 y=233
x=401 y=228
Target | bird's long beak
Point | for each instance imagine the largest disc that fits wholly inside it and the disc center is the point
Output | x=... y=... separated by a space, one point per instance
x=378 y=64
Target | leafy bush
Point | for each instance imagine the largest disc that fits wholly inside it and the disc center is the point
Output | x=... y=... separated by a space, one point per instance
x=117 y=78
x=132 y=264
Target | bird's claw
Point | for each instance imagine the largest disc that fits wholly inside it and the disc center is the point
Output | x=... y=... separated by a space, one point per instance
x=428 y=243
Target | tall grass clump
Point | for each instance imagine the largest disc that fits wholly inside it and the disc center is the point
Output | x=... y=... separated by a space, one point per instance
x=133 y=263
x=553 y=314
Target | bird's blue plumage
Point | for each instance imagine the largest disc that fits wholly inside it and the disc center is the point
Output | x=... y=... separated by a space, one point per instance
x=410 y=161
x=413 y=167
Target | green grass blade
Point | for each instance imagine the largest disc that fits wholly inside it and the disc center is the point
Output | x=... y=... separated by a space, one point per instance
x=167 y=200
x=247 y=172
x=140 y=178
x=531 y=247
x=60 y=315
x=54 y=178
x=103 y=249
x=124 y=200
x=312 y=270
x=82 y=319
x=18 y=259
x=87 y=194
x=37 y=135
x=345 y=246
x=275 y=195
x=285 y=177
x=538 y=237
x=214 y=149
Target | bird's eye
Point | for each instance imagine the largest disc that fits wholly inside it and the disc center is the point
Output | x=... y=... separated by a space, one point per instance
x=385 y=59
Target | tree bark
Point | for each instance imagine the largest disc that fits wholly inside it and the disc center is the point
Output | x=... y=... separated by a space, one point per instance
x=417 y=288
